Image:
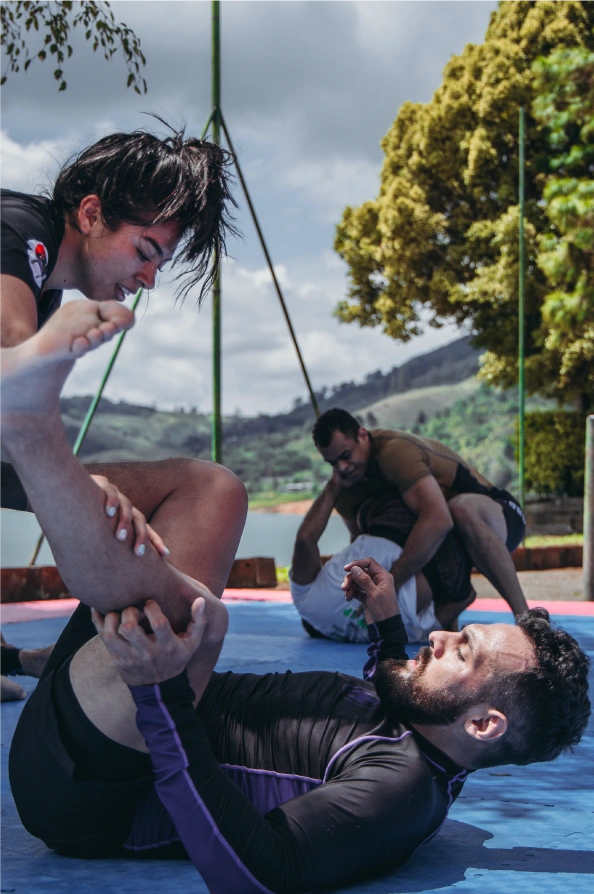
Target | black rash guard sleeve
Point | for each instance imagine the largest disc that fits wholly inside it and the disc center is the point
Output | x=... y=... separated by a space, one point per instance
x=387 y=639
x=374 y=808
x=31 y=237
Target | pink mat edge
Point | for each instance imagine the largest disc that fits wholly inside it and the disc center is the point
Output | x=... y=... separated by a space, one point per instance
x=13 y=612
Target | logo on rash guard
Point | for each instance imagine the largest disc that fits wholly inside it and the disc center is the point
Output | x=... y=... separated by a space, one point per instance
x=38 y=260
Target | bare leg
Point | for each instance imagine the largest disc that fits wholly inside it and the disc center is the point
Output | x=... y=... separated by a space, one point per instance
x=424 y=594
x=448 y=613
x=481 y=525
x=196 y=506
x=98 y=569
x=68 y=503
x=10 y=691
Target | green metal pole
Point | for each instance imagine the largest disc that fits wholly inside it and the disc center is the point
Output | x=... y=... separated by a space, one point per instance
x=91 y=412
x=521 y=275
x=271 y=268
x=589 y=512
x=217 y=428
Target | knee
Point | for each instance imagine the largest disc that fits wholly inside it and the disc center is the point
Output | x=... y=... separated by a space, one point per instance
x=217 y=483
x=462 y=511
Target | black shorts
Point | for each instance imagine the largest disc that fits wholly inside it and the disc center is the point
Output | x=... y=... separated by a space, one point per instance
x=514 y=519
x=12 y=491
x=74 y=788
x=448 y=572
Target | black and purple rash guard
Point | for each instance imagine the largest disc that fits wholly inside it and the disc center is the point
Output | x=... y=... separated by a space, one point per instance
x=288 y=782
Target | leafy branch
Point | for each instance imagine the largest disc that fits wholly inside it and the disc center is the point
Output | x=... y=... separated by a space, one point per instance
x=54 y=22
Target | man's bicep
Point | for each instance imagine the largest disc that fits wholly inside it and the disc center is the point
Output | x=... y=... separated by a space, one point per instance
x=18 y=314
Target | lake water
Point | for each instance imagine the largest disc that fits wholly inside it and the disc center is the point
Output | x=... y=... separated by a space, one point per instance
x=265 y=534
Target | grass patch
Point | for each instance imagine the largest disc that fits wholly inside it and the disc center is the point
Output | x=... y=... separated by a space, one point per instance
x=554 y=540
x=282 y=574
x=266 y=499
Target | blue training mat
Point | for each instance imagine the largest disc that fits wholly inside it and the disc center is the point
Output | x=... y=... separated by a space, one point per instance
x=513 y=829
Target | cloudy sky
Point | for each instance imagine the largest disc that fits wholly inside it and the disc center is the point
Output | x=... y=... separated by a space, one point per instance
x=309 y=89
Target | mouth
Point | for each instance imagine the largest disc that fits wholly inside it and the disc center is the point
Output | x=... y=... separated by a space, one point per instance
x=121 y=293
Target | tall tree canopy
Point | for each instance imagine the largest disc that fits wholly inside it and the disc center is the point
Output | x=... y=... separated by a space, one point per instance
x=443 y=233
x=39 y=31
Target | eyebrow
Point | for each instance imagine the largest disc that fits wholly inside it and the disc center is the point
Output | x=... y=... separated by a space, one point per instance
x=471 y=640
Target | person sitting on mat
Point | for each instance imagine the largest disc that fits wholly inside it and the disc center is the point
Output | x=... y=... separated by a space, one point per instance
x=417 y=492
x=119 y=212
x=316 y=585
x=278 y=782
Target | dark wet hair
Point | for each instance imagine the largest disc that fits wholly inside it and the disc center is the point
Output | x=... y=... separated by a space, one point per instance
x=547 y=706
x=141 y=179
x=331 y=421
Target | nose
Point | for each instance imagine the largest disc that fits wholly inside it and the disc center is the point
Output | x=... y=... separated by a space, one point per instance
x=148 y=275
x=439 y=640
x=343 y=465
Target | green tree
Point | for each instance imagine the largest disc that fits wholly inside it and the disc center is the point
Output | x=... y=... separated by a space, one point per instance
x=442 y=235
x=565 y=104
x=52 y=22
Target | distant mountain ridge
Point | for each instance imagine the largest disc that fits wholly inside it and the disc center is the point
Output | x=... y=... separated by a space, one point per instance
x=447 y=365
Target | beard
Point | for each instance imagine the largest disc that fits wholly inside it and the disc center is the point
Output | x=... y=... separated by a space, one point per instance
x=406 y=700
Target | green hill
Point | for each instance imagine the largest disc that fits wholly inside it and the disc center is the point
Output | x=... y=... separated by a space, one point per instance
x=437 y=395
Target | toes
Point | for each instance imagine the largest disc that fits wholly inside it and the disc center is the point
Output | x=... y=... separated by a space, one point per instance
x=80 y=346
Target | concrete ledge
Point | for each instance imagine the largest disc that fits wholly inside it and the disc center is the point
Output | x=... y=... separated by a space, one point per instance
x=44 y=582
x=543 y=558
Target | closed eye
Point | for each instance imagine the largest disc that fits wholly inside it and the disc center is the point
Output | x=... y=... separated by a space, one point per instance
x=461 y=656
x=142 y=256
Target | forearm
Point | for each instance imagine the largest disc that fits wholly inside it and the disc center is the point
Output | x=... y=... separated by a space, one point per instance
x=233 y=845
x=422 y=543
x=314 y=524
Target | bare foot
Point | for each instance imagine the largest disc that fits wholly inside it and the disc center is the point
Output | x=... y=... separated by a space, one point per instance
x=33 y=661
x=11 y=691
x=34 y=372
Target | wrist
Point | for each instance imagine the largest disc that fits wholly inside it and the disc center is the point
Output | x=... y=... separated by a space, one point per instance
x=333 y=487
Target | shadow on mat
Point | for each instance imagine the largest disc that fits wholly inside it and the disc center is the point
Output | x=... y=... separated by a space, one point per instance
x=460 y=847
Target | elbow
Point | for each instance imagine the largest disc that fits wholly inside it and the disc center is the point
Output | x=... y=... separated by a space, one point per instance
x=447 y=524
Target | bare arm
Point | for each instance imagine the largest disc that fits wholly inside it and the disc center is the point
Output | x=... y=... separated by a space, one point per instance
x=434 y=522
x=306 y=556
x=18 y=320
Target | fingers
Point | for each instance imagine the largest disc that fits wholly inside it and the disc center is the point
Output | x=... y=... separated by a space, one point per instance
x=160 y=625
x=370 y=565
x=124 y=517
x=141 y=537
x=193 y=635
x=363 y=580
x=157 y=541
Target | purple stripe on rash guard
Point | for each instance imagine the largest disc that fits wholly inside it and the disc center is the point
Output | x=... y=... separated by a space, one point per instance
x=358 y=742
x=211 y=854
x=267 y=789
x=153 y=827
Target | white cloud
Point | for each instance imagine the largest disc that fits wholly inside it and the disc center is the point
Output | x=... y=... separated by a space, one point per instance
x=29 y=167
x=309 y=89
x=167 y=357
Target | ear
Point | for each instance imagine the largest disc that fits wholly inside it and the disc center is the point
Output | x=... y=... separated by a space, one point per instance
x=363 y=436
x=89 y=214
x=485 y=724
